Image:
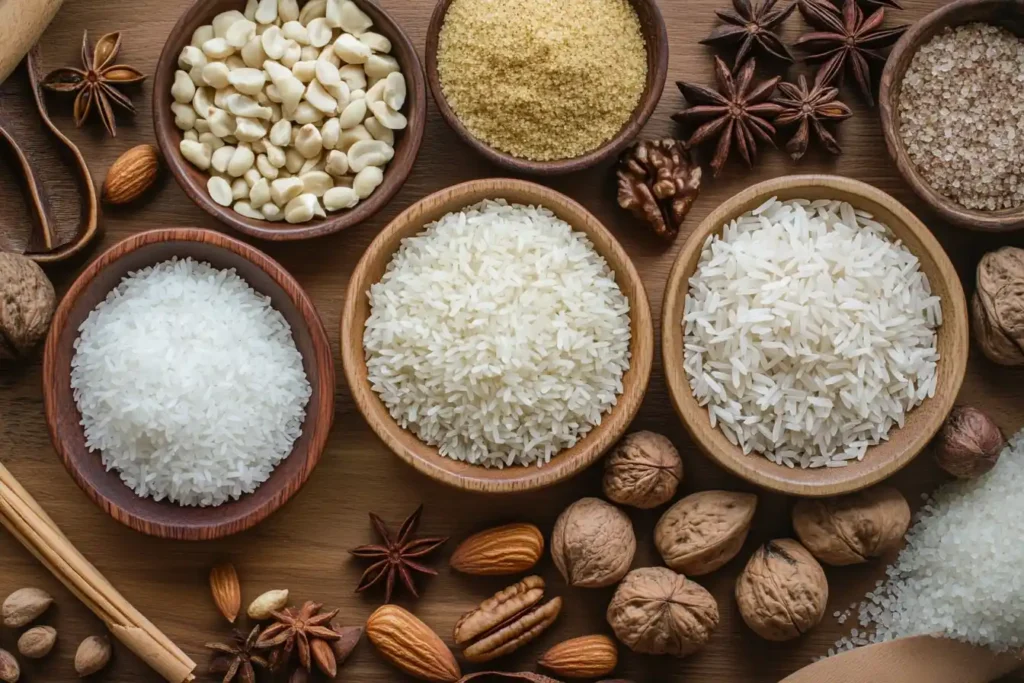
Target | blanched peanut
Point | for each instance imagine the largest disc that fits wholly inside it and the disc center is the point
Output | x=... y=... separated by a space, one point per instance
x=340 y=92
x=281 y=133
x=293 y=160
x=239 y=33
x=318 y=97
x=217 y=48
x=337 y=163
x=340 y=198
x=252 y=53
x=184 y=116
x=191 y=56
x=222 y=124
x=224 y=21
x=283 y=190
x=191 y=135
x=251 y=177
x=301 y=209
x=202 y=101
x=243 y=105
x=220 y=97
x=375 y=93
x=249 y=130
x=293 y=30
x=241 y=161
x=272 y=212
x=351 y=51
x=202 y=125
x=201 y=35
x=256 y=146
x=329 y=133
x=308 y=142
x=369 y=153
x=314 y=164
x=379 y=66
x=367 y=181
x=220 y=190
x=239 y=189
x=274 y=43
x=388 y=117
x=212 y=140
x=375 y=42
x=260 y=192
x=304 y=71
x=250 y=9
x=394 y=90
x=379 y=131
x=196 y=152
x=266 y=12
x=245 y=209
x=249 y=81
x=318 y=32
x=287 y=10
x=292 y=54
x=333 y=13
x=184 y=89
x=312 y=10
x=310 y=53
x=353 y=114
x=353 y=19
x=352 y=136
x=316 y=182
x=267 y=169
x=306 y=113
x=353 y=75
x=215 y=74
x=275 y=155
x=221 y=157
x=327 y=54
x=324 y=71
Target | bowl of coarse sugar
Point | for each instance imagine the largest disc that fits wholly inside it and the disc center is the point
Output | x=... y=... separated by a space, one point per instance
x=547 y=88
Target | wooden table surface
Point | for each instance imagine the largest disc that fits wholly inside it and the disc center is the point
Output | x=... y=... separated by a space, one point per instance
x=304 y=546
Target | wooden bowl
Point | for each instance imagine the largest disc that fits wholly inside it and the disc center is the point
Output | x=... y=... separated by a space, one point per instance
x=193 y=180
x=1006 y=13
x=922 y=423
x=106 y=489
x=652 y=25
x=425 y=458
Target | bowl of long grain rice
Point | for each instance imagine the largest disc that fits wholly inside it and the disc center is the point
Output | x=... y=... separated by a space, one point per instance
x=184 y=430
x=814 y=335
x=497 y=337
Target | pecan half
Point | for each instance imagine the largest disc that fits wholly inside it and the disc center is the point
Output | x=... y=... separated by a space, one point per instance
x=506 y=621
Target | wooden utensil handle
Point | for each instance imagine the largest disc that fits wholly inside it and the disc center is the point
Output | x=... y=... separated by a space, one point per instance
x=22 y=23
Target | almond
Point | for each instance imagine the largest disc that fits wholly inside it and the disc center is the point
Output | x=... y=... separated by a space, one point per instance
x=227 y=593
x=131 y=175
x=584 y=657
x=411 y=645
x=509 y=549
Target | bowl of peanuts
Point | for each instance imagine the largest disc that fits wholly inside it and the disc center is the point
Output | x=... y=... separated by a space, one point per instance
x=289 y=120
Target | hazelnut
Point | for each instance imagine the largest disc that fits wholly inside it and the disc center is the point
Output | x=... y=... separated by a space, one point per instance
x=643 y=471
x=782 y=592
x=656 y=611
x=592 y=543
x=27 y=302
x=969 y=443
x=705 y=530
x=997 y=309
x=853 y=528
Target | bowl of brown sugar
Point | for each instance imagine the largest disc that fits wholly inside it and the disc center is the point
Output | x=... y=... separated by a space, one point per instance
x=546 y=87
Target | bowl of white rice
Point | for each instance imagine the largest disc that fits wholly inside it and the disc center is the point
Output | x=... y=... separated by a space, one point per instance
x=497 y=337
x=188 y=384
x=814 y=335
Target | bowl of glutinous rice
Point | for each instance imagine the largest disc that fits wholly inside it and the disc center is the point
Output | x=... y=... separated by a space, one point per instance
x=814 y=335
x=188 y=383
x=497 y=337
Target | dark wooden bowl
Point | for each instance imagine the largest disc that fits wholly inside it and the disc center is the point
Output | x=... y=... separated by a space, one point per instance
x=106 y=489
x=425 y=458
x=193 y=181
x=652 y=25
x=1006 y=13
x=881 y=461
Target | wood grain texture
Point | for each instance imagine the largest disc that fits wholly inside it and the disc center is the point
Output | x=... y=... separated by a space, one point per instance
x=166 y=519
x=655 y=33
x=425 y=458
x=922 y=423
x=22 y=22
x=304 y=546
x=193 y=181
x=1006 y=13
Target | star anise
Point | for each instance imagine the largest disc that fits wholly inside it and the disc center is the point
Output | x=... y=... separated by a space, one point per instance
x=752 y=27
x=810 y=108
x=97 y=82
x=397 y=555
x=237 y=660
x=306 y=631
x=738 y=113
x=847 y=41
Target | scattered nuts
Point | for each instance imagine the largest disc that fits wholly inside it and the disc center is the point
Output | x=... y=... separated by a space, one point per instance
x=643 y=470
x=703 y=531
x=782 y=592
x=10 y=672
x=656 y=611
x=969 y=443
x=37 y=642
x=227 y=592
x=27 y=302
x=509 y=549
x=272 y=601
x=92 y=656
x=411 y=645
x=24 y=606
x=592 y=543
x=997 y=309
x=506 y=621
x=584 y=657
x=851 y=529
x=132 y=174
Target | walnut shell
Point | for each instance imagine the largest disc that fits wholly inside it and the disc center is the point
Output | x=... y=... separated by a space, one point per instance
x=782 y=592
x=705 y=530
x=592 y=543
x=656 y=611
x=643 y=470
x=997 y=309
x=853 y=528
x=27 y=302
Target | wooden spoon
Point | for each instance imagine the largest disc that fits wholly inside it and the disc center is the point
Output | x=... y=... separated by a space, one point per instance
x=918 y=659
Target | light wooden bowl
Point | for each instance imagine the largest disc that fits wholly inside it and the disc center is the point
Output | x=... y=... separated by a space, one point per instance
x=1006 y=13
x=425 y=458
x=106 y=489
x=193 y=181
x=652 y=26
x=922 y=423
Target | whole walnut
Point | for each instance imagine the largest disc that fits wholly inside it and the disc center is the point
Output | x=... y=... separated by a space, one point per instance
x=592 y=543
x=657 y=612
x=851 y=529
x=27 y=301
x=969 y=443
x=782 y=592
x=643 y=470
x=997 y=310
x=705 y=530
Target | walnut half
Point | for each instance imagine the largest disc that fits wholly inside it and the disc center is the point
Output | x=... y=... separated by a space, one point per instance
x=658 y=183
x=997 y=309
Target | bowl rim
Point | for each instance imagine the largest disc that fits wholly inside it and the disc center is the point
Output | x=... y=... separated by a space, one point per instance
x=593 y=446
x=657 y=69
x=1002 y=220
x=694 y=416
x=321 y=414
x=406 y=151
